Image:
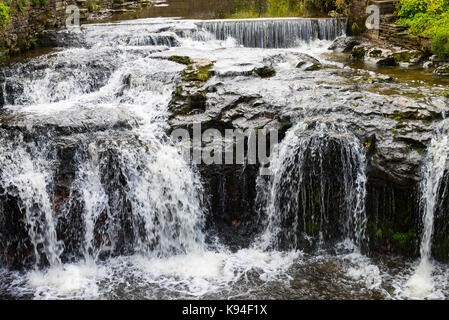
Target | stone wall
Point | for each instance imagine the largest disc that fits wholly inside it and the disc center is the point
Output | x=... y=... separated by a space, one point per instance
x=392 y=34
x=398 y=36
x=25 y=27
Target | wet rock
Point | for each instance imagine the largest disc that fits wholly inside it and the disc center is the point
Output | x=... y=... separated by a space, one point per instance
x=345 y=44
x=378 y=78
x=442 y=71
x=308 y=63
x=358 y=53
x=265 y=72
x=428 y=65
x=381 y=57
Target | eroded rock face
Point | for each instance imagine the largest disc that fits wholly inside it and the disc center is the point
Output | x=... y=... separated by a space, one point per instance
x=391 y=121
x=395 y=131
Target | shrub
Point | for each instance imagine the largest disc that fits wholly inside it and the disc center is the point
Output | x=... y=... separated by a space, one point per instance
x=427 y=18
x=92 y=6
x=355 y=29
x=440 y=44
x=4 y=14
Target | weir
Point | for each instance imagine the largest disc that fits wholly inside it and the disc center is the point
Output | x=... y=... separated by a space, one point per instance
x=275 y=33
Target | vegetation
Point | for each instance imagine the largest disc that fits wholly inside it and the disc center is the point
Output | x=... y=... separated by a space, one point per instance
x=92 y=6
x=21 y=5
x=39 y=3
x=4 y=14
x=428 y=18
x=282 y=8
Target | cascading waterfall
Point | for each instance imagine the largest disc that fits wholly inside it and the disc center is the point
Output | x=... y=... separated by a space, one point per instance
x=421 y=283
x=98 y=200
x=318 y=187
x=26 y=174
x=135 y=191
x=275 y=33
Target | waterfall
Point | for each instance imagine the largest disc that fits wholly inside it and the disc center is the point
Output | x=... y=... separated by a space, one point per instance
x=25 y=173
x=317 y=190
x=421 y=283
x=275 y=33
x=100 y=112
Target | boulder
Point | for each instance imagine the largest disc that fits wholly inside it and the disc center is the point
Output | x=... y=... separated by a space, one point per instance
x=265 y=72
x=442 y=71
x=345 y=44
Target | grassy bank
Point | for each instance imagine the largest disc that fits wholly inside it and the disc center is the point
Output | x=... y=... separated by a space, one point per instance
x=281 y=8
x=428 y=18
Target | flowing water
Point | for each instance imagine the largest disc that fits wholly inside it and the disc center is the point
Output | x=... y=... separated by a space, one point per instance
x=305 y=180
x=113 y=211
x=421 y=284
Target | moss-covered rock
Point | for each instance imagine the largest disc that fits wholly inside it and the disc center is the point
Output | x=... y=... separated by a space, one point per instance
x=181 y=59
x=402 y=56
x=314 y=67
x=358 y=52
x=265 y=72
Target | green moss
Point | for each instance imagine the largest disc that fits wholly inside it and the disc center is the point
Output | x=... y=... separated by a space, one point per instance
x=355 y=29
x=379 y=233
x=358 y=52
x=198 y=74
x=193 y=73
x=314 y=67
x=181 y=59
x=402 y=56
x=445 y=93
x=92 y=6
x=402 y=239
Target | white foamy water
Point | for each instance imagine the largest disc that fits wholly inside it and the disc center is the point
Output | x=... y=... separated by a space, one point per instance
x=134 y=222
x=421 y=284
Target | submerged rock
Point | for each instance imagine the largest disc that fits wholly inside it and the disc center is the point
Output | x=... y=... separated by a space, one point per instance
x=265 y=72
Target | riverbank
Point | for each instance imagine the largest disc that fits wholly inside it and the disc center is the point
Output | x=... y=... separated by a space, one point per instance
x=22 y=22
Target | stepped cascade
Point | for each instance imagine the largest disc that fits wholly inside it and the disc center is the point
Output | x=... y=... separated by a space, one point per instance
x=98 y=201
